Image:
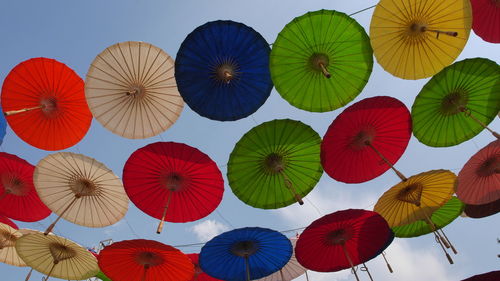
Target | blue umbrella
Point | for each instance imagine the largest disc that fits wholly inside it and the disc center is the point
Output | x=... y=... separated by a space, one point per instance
x=222 y=70
x=3 y=127
x=245 y=254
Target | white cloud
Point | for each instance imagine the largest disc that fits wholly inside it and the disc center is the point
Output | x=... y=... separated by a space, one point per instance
x=208 y=229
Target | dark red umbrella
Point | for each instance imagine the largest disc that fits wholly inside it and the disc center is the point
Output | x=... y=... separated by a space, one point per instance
x=342 y=240
x=478 y=182
x=7 y=221
x=199 y=275
x=489 y=276
x=486 y=19
x=144 y=260
x=18 y=197
x=173 y=177
x=482 y=211
x=366 y=139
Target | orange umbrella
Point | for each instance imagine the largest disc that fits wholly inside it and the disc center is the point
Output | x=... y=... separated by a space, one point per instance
x=45 y=105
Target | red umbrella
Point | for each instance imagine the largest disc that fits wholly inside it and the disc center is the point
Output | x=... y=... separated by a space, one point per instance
x=199 y=275
x=482 y=211
x=342 y=239
x=175 y=177
x=7 y=221
x=489 y=276
x=18 y=197
x=366 y=139
x=144 y=260
x=45 y=105
x=479 y=179
x=486 y=19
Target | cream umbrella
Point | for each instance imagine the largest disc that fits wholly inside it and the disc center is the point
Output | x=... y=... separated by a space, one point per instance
x=56 y=256
x=8 y=238
x=80 y=189
x=131 y=90
x=290 y=271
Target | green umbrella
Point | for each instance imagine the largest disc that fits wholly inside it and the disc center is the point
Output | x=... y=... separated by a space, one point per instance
x=457 y=103
x=321 y=61
x=275 y=164
x=103 y=277
x=440 y=218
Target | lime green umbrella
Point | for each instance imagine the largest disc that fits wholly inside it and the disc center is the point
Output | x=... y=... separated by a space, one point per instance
x=321 y=61
x=275 y=164
x=103 y=277
x=440 y=218
x=457 y=103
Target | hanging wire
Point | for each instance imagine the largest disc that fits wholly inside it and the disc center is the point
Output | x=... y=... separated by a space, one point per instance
x=130 y=227
x=224 y=219
x=360 y=11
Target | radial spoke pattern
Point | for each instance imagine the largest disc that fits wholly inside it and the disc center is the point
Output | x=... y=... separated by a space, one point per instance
x=486 y=23
x=65 y=117
x=398 y=205
x=8 y=253
x=38 y=251
x=329 y=37
x=131 y=90
x=298 y=147
x=471 y=83
x=98 y=194
x=404 y=49
x=290 y=271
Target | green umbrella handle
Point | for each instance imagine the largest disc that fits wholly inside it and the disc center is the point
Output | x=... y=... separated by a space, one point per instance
x=468 y=113
x=449 y=242
x=289 y=185
x=324 y=70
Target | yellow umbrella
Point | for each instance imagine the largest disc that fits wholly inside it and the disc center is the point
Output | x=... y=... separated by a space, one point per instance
x=131 y=90
x=8 y=238
x=56 y=256
x=414 y=39
x=80 y=189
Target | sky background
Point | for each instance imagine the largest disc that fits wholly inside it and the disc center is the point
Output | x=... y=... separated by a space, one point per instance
x=74 y=32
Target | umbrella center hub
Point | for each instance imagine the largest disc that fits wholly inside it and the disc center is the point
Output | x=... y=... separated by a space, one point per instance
x=454 y=102
x=244 y=248
x=14 y=185
x=172 y=182
x=274 y=163
x=83 y=187
x=363 y=137
x=339 y=236
x=411 y=193
x=226 y=71
x=489 y=167
x=49 y=106
x=7 y=239
x=318 y=62
x=61 y=252
x=417 y=28
x=148 y=259
x=136 y=91
x=496 y=2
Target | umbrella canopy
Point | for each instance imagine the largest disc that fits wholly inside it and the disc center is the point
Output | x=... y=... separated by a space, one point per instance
x=56 y=256
x=102 y=276
x=8 y=238
x=45 y=104
x=481 y=211
x=144 y=260
x=245 y=254
x=290 y=271
x=199 y=275
x=3 y=127
x=416 y=39
x=222 y=70
x=7 y=221
x=416 y=198
x=80 y=189
x=18 y=197
x=342 y=240
x=321 y=61
x=486 y=23
x=440 y=218
x=367 y=132
x=457 y=103
x=479 y=179
x=173 y=182
x=131 y=90
x=275 y=164
x=489 y=276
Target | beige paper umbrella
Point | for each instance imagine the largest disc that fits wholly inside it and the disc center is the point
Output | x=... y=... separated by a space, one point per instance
x=290 y=271
x=8 y=238
x=56 y=256
x=131 y=90
x=80 y=189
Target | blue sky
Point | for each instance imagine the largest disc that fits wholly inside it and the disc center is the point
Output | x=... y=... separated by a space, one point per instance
x=74 y=32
